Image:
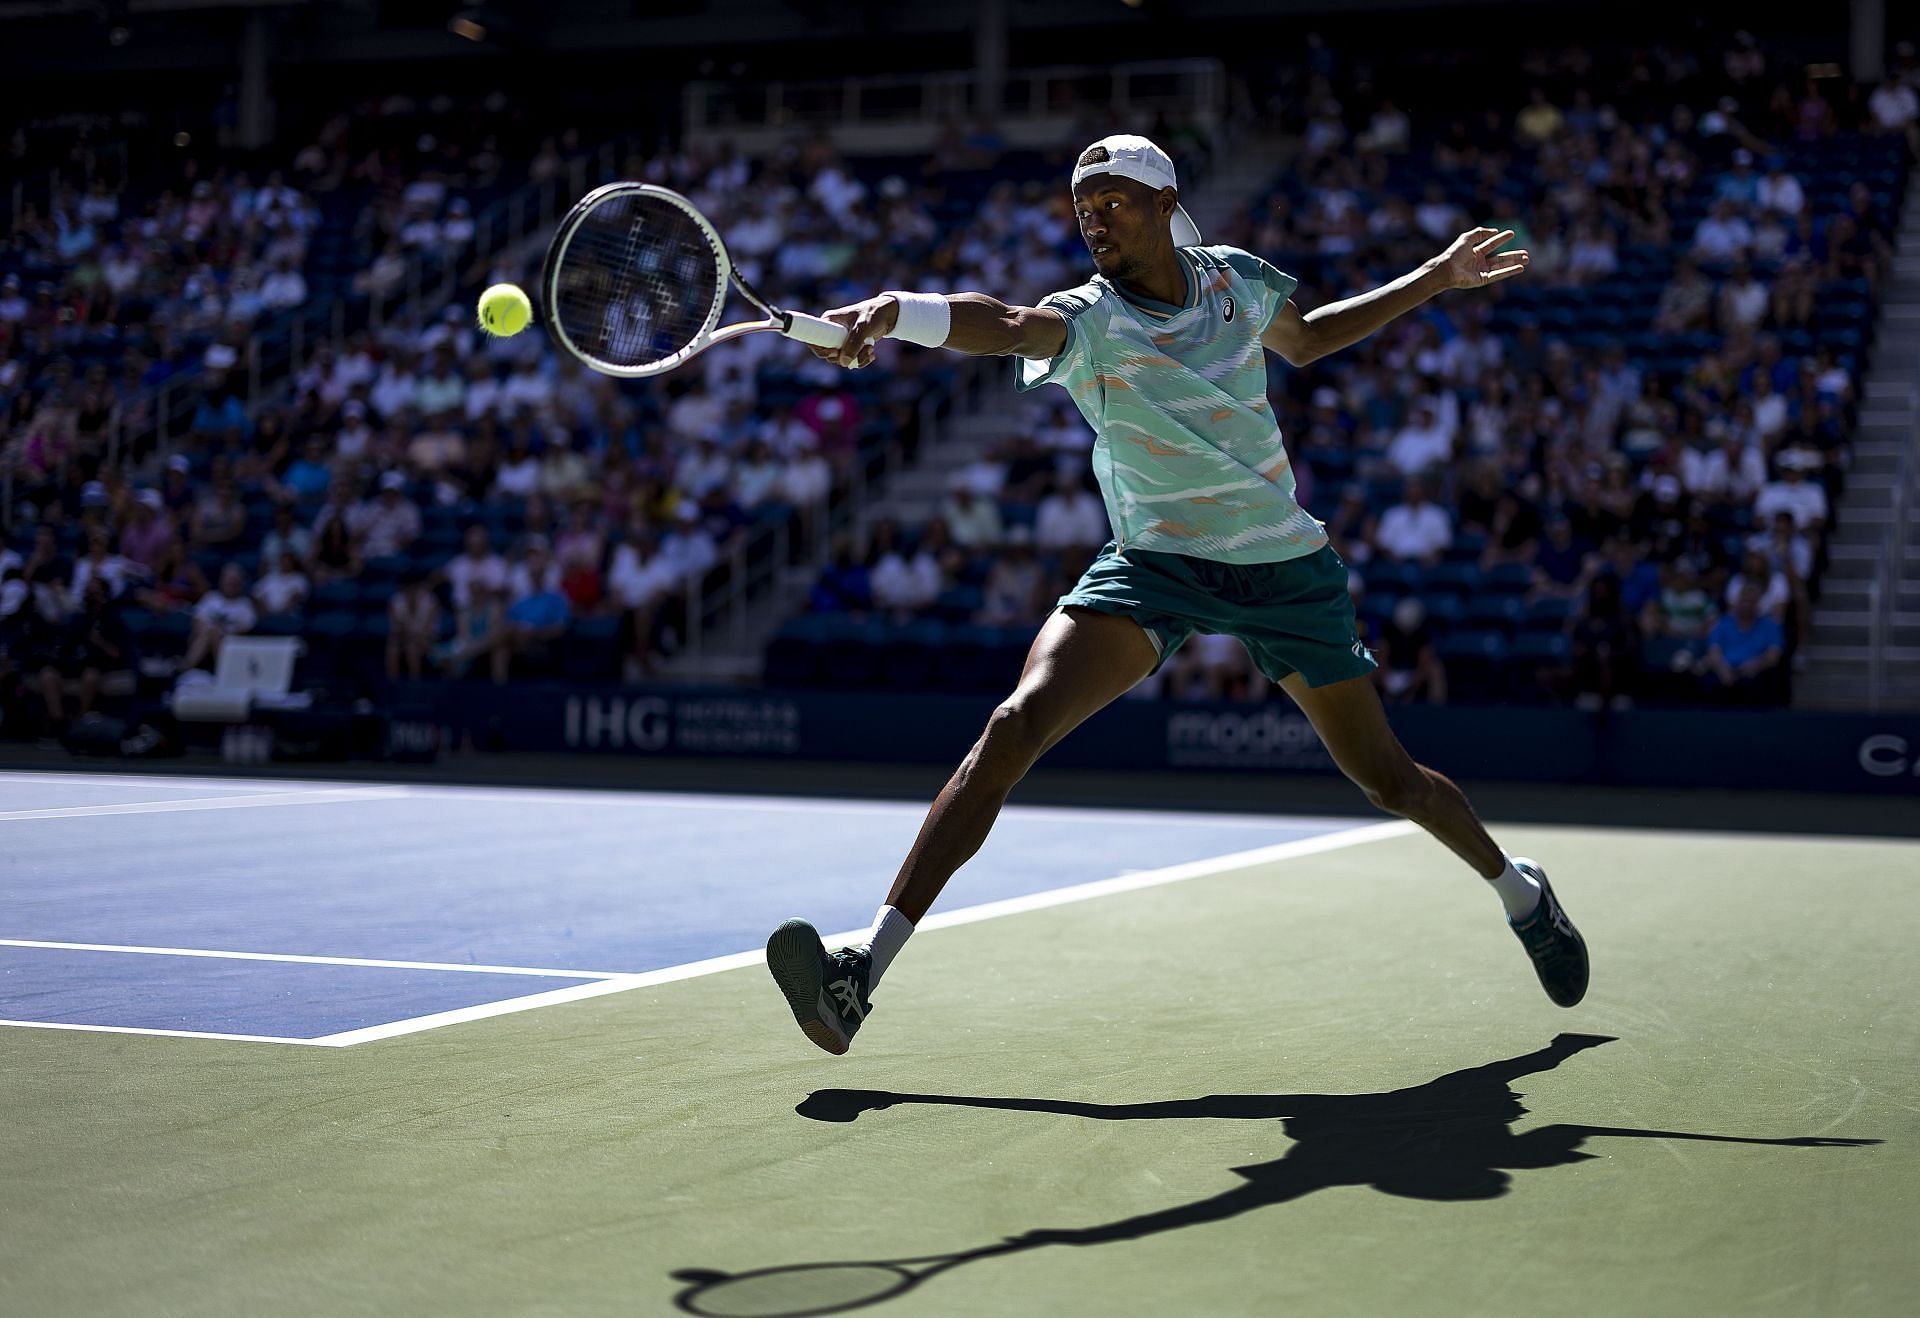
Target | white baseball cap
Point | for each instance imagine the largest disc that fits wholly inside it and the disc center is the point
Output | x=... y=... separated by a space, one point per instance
x=1132 y=156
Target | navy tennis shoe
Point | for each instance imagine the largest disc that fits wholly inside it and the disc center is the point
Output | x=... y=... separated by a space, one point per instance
x=1558 y=951
x=826 y=990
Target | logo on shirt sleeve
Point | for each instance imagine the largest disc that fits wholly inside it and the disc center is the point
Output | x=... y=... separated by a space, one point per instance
x=1228 y=307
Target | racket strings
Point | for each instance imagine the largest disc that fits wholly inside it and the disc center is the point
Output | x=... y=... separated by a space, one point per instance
x=639 y=281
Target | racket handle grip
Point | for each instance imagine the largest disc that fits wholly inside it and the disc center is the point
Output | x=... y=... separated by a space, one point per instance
x=819 y=332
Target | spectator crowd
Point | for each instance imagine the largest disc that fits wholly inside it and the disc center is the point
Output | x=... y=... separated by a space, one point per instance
x=461 y=503
x=1608 y=481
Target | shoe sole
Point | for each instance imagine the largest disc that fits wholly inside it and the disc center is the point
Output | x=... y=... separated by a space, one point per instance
x=793 y=957
x=1534 y=871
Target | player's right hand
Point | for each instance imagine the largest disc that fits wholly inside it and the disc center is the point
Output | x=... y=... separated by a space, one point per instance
x=865 y=322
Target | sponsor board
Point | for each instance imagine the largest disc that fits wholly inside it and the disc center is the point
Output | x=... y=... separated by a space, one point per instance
x=1259 y=737
x=700 y=725
x=1889 y=755
x=1781 y=749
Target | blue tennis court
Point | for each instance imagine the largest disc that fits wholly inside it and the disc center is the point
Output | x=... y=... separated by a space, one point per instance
x=315 y=912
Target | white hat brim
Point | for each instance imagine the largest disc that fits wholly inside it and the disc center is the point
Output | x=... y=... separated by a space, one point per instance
x=1185 y=232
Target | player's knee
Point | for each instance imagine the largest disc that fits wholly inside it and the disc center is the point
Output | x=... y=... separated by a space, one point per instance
x=1013 y=740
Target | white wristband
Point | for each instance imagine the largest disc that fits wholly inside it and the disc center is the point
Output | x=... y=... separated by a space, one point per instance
x=925 y=318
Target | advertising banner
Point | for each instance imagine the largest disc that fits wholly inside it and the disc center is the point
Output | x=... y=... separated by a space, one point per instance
x=1780 y=749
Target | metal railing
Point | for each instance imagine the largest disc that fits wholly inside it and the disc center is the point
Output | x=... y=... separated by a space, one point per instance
x=56 y=179
x=1191 y=86
x=1879 y=624
x=528 y=210
x=1883 y=593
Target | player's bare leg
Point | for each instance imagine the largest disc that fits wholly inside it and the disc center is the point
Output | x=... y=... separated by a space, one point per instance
x=1081 y=661
x=1352 y=724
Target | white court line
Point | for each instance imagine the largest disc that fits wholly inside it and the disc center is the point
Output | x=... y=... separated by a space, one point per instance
x=176 y=782
x=838 y=805
x=327 y=796
x=712 y=801
x=1194 y=869
x=170 y=783
x=170 y=1034
x=1079 y=892
x=312 y=960
x=461 y=1015
x=620 y=983
x=324 y=789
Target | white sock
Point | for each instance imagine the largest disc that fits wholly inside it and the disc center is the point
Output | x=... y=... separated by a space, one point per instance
x=1518 y=893
x=890 y=933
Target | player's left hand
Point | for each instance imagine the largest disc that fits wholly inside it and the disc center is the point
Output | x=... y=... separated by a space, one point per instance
x=1474 y=259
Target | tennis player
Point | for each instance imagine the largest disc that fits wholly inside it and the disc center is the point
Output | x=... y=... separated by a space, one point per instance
x=1162 y=350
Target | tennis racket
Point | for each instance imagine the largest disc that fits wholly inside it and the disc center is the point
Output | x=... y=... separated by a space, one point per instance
x=635 y=278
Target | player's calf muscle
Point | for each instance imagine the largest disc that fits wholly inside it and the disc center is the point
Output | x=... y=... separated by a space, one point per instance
x=1406 y=790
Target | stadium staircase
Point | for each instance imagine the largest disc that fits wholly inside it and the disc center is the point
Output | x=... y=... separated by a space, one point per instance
x=731 y=648
x=1864 y=647
x=1235 y=183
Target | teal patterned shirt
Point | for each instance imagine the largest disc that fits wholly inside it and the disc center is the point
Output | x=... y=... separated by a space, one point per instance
x=1187 y=451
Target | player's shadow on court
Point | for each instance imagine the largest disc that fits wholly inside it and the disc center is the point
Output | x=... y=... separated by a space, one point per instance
x=1446 y=1140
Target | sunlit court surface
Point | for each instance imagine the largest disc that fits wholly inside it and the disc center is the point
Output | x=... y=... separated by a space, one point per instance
x=1143 y=1062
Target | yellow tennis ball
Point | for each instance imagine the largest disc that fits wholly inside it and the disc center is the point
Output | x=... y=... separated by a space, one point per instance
x=504 y=310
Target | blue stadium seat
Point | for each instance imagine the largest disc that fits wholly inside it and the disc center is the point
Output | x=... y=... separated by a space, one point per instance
x=1329 y=464
x=1453 y=578
x=1659 y=654
x=328 y=637
x=1473 y=660
x=850 y=658
x=1445 y=610
x=1508 y=578
x=333 y=625
x=982 y=659
x=385 y=572
x=957 y=604
x=1491 y=612
x=795 y=655
x=168 y=634
x=1385 y=491
x=335 y=595
x=1547 y=615
x=1542 y=649
x=591 y=650
x=910 y=656
x=1467 y=547
x=1384 y=574
x=425 y=564
x=1469 y=642
x=279 y=624
x=443 y=542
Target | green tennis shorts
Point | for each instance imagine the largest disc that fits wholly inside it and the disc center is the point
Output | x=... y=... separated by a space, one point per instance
x=1293 y=617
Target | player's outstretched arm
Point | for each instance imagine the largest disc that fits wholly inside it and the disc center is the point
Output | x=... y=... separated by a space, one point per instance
x=1473 y=260
x=978 y=325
